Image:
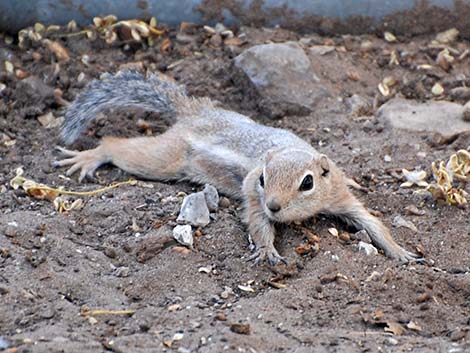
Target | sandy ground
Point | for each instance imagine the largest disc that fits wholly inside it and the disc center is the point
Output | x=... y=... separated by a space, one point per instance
x=55 y=268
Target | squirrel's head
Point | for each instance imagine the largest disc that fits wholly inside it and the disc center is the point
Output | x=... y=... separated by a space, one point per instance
x=295 y=184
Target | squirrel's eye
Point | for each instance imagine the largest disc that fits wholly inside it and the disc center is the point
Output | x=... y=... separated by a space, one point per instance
x=307 y=183
x=261 y=180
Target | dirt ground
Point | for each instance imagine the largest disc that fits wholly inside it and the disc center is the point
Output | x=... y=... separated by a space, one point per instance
x=55 y=267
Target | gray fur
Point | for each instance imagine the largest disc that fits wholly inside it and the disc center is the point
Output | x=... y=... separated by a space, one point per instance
x=127 y=89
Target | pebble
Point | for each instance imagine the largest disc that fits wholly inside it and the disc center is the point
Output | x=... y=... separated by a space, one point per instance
x=224 y=202
x=369 y=249
x=358 y=105
x=212 y=197
x=4 y=344
x=121 y=271
x=183 y=234
x=413 y=210
x=194 y=210
x=399 y=221
x=48 y=313
x=387 y=158
x=391 y=341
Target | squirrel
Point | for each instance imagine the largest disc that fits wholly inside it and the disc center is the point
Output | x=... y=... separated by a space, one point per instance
x=279 y=177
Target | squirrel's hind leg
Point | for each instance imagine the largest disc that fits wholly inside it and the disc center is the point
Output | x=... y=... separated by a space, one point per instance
x=157 y=158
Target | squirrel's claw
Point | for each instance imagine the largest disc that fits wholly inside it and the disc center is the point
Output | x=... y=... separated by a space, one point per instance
x=85 y=161
x=267 y=254
x=404 y=257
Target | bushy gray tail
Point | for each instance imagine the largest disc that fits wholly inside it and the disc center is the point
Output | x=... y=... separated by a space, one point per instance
x=126 y=89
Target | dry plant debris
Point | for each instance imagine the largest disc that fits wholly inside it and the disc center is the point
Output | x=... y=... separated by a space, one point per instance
x=44 y=192
x=456 y=169
x=86 y=312
x=415 y=177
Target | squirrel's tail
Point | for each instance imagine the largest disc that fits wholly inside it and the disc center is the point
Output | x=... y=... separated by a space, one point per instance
x=126 y=89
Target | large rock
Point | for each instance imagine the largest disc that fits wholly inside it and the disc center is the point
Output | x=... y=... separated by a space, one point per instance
x=283 y=76
x=434 y=116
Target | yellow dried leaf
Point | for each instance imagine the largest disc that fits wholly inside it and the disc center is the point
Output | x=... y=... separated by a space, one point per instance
x=9 y=67
x=383 y=89
x=248 y=289
x=333 y=231
x=390 y=37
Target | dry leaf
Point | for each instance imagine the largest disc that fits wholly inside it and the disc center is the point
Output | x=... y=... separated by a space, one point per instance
x=277 y=285
x=306 y=249
x=395 y=328
x=246 y=288
x=57 y=49
x=383 y=89
x=390 y=37
x=415 y=177
x=333 y=231
x=166 y=45
x=414 y=326
x=448 y=36
x=378 y=314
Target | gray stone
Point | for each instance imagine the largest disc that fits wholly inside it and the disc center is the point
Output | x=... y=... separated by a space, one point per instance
x=194 y=210
x=183 y=234
x=358 y=105
x=460 y=93
x=321 y=49
x=4 y=343
x=466 y=112
x=433 y=116
x=212 y=197
x=283 y=76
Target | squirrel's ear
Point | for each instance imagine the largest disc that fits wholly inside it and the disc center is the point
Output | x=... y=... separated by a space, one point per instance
x=324 y=164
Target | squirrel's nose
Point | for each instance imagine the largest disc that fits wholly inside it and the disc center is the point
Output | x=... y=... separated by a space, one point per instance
x=273 y=205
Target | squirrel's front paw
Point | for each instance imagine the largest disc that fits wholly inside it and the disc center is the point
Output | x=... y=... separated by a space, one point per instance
x=85 y=161
x=270 y=254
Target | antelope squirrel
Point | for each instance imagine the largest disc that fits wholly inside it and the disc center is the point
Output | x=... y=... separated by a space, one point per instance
x=280 y=177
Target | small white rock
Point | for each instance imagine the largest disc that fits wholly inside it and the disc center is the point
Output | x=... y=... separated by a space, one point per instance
x=183 y=234
x=178 y=336
x=369 y=249
x=387 y=158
